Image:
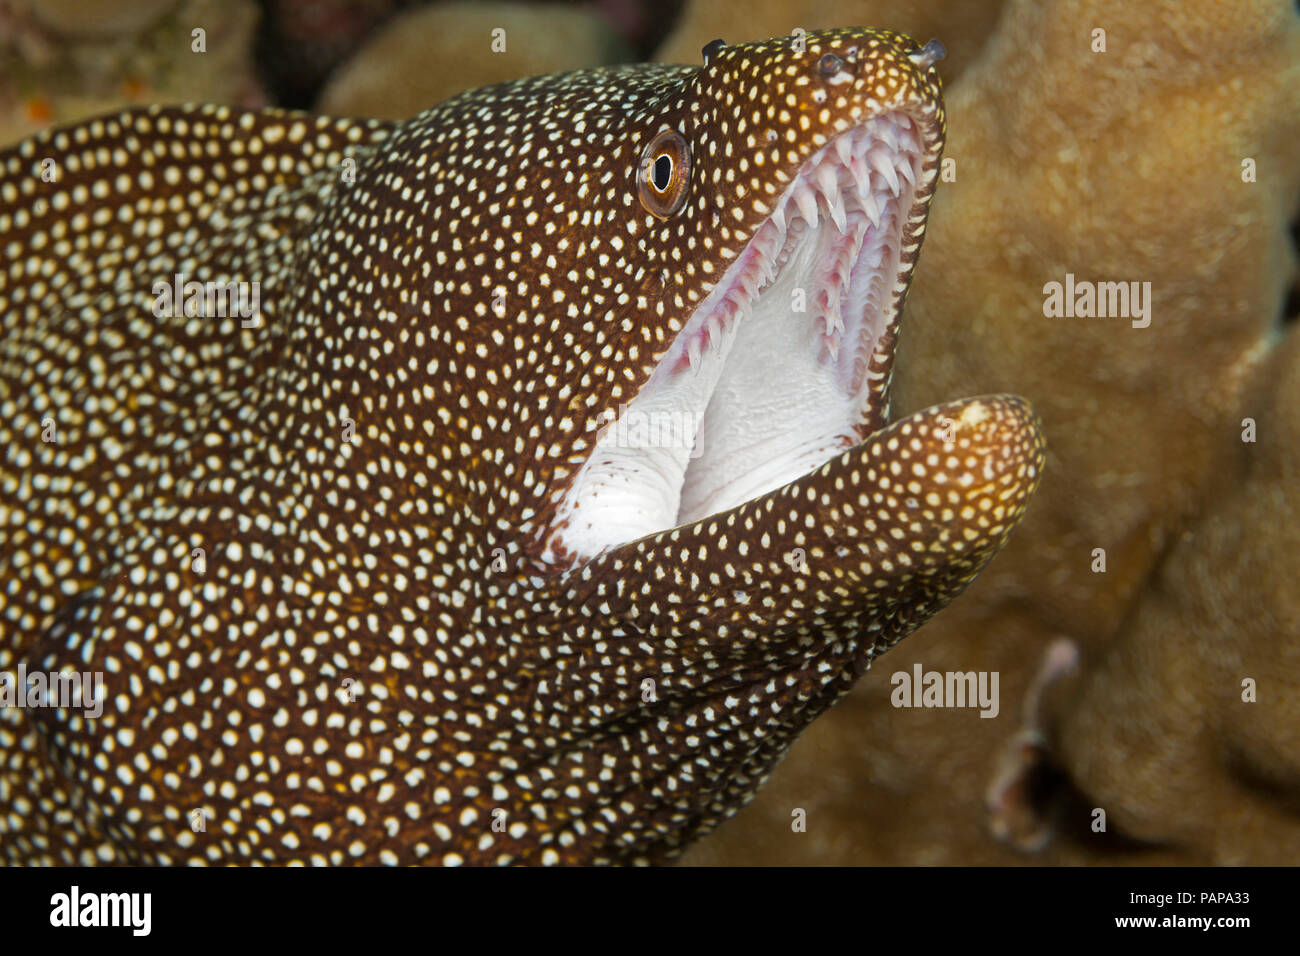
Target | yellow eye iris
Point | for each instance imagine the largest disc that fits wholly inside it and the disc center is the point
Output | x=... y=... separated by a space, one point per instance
x=664 y=174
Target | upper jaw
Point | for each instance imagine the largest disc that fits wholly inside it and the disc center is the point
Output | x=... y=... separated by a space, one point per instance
x=783 y=365
x=804 y=324
x=853 y=198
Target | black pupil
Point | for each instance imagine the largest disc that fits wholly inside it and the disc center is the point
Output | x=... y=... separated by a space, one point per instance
x=663 y=172
x=830 y=64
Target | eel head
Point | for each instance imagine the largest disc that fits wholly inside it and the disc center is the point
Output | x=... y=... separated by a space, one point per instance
x=741 y=528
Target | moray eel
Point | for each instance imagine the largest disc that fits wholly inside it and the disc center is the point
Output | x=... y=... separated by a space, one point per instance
x=532 y=495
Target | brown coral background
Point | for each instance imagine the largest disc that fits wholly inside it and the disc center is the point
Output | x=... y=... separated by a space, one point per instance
x=1163 y=690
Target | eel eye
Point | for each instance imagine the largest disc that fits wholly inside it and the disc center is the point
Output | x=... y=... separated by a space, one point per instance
x=830 y=64
x=664 y=175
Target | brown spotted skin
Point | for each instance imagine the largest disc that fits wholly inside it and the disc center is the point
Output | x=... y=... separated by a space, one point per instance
x=466 y=308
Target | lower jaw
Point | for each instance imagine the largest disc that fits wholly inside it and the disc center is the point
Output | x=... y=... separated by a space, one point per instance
x=777 y=472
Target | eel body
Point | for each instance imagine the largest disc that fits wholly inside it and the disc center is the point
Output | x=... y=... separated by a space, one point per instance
x=371 y=565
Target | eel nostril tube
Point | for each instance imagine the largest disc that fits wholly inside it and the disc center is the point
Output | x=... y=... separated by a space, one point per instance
x=928 y=55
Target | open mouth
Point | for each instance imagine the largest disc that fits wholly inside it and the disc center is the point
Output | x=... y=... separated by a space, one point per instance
x=785 y=363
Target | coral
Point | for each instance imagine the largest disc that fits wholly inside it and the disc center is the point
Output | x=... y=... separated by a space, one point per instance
x=390 y=76
x=71 y=59
x=97 y=18
x=1186 y=728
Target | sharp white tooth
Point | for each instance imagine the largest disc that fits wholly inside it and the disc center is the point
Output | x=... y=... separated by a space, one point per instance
x=887 y=135
x=715 y=337
x=844 y=148
x=829 y=182
x=742 y=291
x=693 y=352
x=870 y=207
x=834 y=322
x=861 y=175
x=778 y=216
x=837 y=215
x=883 y=164
x=807 y=201
x=905 y=167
